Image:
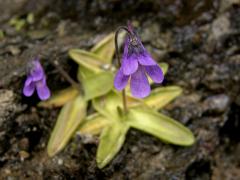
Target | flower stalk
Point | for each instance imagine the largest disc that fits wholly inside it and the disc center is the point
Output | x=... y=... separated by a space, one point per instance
x=124 y=99
x=66 y=76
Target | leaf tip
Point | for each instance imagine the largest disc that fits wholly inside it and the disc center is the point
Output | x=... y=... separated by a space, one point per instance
x=191 y=139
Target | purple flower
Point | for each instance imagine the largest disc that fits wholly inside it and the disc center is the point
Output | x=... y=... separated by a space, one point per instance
x=36 y=79
x=137 y=63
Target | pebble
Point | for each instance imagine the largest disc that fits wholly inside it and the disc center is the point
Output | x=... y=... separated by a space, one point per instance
x=217 y=103
x=220 y=27
x=14 y=50
x=226 y=4
x=24 y=144
x=7 y=98
x=60 y=162
x=23 y=155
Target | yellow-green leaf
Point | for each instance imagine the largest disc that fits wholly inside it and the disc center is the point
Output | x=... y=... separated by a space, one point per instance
x=58 y=99
x=87 y=59
x=111 y=104
x=108 y=105
x=84 y=73
x=93 y=124
x=1 y=34
x=97 y=85
x=160 y=97
x=105 y=48
x=18 y=23
x=164 y=67
x=160 y=126
x=111 y=141
x=70 y=117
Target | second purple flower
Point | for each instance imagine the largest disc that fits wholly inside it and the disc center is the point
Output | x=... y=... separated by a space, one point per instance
x=36 y=79
x=137 y=63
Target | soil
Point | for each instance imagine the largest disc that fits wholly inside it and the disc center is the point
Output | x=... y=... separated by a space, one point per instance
x=198 y=39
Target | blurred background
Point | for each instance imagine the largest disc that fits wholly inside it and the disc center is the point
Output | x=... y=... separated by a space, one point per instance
x=200 y=40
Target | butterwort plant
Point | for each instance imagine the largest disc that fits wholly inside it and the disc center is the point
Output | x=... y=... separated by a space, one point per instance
x=36 y=80
x=115 y=115
x=136 y=64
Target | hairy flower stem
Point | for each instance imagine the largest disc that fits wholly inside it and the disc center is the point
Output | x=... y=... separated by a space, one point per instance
x=124 y=100
x=66 y=76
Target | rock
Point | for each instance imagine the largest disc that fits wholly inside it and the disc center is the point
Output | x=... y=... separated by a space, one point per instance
x=14 y=50
x=150 y=32
x=224 y=5
x=217 y=103
x=23 y=155
x=6 y=104
x=8 y=108
x=220 y=27
x=24 y=144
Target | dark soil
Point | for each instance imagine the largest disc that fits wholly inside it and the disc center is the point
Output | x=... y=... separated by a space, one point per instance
x=200 y=41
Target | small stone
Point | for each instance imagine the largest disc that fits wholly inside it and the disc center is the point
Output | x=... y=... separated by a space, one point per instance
x=217 y=103
x=23 y=155
x=220 y=27
x=11 y=178
x=7 y=171
x=24 y=144
x=38 y=34
x=34 y=129
x=60 y=162
x=7 y=98
x=14 y=50
x=224 y=5
x=150 y=32
x=88 y=139
x=160 y=43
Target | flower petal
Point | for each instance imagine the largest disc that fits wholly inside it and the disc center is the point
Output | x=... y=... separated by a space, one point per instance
x=28 y=81
x=42 y=89
x=140 y=87
x=155 y=73
x=29 y=87
x=129 y=65
x=37 y=72
x=120 y=80
x=129 y=59
x=146 y=60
